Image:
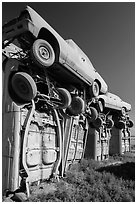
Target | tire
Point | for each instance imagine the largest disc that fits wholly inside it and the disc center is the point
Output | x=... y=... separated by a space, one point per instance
x=115 y=117
x=123 y=111
x=77 y=106
x=109 y=123
x=120 y=125
x=19 y=197
x=101 y=106
x=23 y=86
x=65 y=98
x=130 y=123
x=93 y=114
x=98 y=122
x=42 y=53
x=95 y=89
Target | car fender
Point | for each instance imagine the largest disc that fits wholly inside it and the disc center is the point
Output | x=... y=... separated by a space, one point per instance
x=103 y=85
x=113 y=101
x=126 y=105
x=110 y=101
x=40 y=23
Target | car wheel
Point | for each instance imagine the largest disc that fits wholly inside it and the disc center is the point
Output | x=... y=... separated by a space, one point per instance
x=123 y=111
x=130 y=124
x=120 y=125
x=100 y=106
x=95 y=89
x=77 y=106
x=93 y=114
x=109 y=123
x=19 y=197
x=115 y=117
x=98 y=122
x=65 y=98
x=42 y=53
x=24 y=86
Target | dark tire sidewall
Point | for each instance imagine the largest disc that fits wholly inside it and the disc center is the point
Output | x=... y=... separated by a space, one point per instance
x=77 y=106
x=65 y=97
x=98 y=123
x=23 y=79
x=94 y=114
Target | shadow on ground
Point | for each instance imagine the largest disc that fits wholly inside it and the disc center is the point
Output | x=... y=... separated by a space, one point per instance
x=124 y=170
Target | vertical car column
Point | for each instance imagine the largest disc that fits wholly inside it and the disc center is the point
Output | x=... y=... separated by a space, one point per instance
x=10 y=133
x=120 y=141
x=99 y=134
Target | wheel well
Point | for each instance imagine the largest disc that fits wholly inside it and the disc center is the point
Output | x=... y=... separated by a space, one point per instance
x=124 y=108
x=50 y=38
x=89 y=91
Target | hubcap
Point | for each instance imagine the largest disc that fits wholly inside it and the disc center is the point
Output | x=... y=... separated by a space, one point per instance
x=95 y=88
x=44 y=52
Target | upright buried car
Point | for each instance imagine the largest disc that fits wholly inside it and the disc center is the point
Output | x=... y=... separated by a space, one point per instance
x=111 y=104
x=49 y=52
x=38 y=142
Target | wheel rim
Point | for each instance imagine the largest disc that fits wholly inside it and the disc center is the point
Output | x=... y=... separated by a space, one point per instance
x=95 y=89
x=123 y=111
x=44 y=53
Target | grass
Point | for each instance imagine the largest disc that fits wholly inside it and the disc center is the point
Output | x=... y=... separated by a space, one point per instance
x=93 y=181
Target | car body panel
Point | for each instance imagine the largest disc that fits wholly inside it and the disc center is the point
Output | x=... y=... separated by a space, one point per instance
x=104 y=87
x=75 y=138
x=33 y=141
x=10 y=134
x=71 y=56
x=41 y=146
x=114 y=102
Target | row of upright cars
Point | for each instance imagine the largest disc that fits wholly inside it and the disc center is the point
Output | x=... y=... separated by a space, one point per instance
x=52 y=87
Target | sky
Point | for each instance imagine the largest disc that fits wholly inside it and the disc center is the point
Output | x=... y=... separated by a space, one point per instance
x=105 y=31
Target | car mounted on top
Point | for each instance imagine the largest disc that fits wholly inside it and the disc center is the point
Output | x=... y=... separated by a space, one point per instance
x=47 y=61
x=107 y=105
